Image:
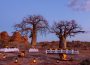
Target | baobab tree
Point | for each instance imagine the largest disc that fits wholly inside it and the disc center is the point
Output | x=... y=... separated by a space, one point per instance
x=63 y=29
x=31 y=26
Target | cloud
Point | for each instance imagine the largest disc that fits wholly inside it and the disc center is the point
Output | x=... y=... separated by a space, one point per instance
x=87 y=5
x=79 y=5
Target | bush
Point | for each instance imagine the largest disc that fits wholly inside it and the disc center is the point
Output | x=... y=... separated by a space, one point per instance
x=85 y=62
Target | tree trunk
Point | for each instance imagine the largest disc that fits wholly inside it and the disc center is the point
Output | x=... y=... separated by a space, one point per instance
x=62 y=45
x=34 y=37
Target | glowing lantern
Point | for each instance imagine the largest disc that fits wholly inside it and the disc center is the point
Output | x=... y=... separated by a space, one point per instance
x=34 y=60
x=6 y=46
x=64 y=57
x=57 y=61
x=16 y=60
x=4 y=56
x=22 y=53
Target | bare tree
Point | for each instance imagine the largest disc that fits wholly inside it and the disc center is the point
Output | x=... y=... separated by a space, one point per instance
x=31 y=26
x=63 y=29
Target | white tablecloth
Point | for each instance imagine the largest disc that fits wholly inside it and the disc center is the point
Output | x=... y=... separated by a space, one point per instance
x=9 y=50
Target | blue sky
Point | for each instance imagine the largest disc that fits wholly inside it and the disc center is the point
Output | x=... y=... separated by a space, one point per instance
x=13 y=11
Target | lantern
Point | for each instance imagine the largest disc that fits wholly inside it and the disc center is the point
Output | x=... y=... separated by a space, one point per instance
x=57 y=61
x=22 y=53
x=4 y=56
x=16 y=60
x=64 y=57
x=6 y=46
x=34 y=60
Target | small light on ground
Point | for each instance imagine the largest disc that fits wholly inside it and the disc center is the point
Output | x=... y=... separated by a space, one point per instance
x=6 y=46
x=22 y=53
x=0 y=53
x=64 y=56
x=57 y=61
x=16 y=60
x=4 y=56
x=34 y=60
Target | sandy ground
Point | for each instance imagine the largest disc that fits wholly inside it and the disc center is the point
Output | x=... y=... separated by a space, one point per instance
x=41 y=59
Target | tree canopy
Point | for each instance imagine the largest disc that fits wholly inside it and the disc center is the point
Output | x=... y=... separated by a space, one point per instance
x=63 y=29
x=32 y=25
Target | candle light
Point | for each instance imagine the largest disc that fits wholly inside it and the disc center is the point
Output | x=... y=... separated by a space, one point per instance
x=22 y=53
x=34 y=60
x=6 y=46
x=4 y=56
x=16 y=60
x=57 y=61
x=64 y=56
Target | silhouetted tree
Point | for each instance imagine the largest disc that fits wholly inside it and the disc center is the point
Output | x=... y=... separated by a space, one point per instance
x=31 y=25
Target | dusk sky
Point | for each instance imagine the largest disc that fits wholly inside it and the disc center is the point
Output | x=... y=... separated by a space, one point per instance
x=13 y=12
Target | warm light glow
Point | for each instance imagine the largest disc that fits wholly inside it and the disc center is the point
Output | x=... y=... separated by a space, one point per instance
x=0 y=53
x=16 y=60
x=22 y=54
x=64 y=57
x=4 y=56
x=57 y=61
x=34 y=60
x=6 y=46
